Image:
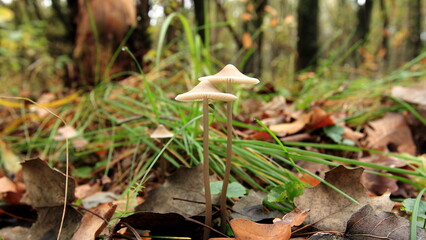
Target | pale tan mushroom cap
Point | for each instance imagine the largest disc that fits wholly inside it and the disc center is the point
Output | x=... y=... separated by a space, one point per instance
x=161 y=132
x=205 y=90
x=230 y=73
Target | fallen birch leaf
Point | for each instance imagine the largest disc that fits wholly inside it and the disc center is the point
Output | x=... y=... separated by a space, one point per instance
x=329 y=209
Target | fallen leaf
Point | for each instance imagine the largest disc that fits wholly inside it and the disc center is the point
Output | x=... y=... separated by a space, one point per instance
x=99 y=198
x=45 y=186
x=86 y=190
x=415 y=94
x=280 y=230
x=9 y=191
x=92 y=225
x=366 y=224
x=291 y=128
x=250 y=207
x=319 y=119
x=45 y=191
x=9 y=158
x=390 y=131
x=329 y=209
x=187 y=184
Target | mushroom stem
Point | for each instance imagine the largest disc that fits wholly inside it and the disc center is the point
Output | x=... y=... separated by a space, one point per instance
x=206 y=167
x=223 y=210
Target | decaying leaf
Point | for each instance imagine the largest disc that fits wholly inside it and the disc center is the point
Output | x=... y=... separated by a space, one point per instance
x=365 y=224
x=250 y=207
x=319 y=119
x=9 y=191
x=416 y=94
x=293 y=127
x=280 y=230
x=92 y=225
x=46 y=193
x=329 y=209
x=187 y=184
x=390 y=131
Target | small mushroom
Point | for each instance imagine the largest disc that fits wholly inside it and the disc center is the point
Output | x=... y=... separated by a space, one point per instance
x=203 y=92
x=229 y=74
x=159 y=133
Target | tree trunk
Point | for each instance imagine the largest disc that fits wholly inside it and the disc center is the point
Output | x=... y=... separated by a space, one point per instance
x=414 y=42
x=199 y=18
x=307 y=30
x=364 y=19
x=252 y=30
x=140 y=41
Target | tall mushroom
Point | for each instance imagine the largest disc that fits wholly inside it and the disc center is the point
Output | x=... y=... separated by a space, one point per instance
x=229 y=74
x=203 y=92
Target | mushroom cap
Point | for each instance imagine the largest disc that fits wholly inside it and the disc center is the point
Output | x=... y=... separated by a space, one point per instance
x=230 y=73
x=161 y=132
x=205 y=89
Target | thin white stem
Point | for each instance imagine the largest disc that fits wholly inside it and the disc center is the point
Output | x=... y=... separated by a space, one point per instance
x=223 y=209
x=206 y=168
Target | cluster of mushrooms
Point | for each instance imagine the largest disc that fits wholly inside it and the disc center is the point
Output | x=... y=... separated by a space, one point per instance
x=204 y=92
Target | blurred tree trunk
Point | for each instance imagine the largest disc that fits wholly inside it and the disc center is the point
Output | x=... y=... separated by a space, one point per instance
x=414 y=43
x=364 y=19
x=385 y=31
x=94 y=46
x=362 y=29
x=199 y=18
x=140 y=41
x=252 y=30
x=307 y=30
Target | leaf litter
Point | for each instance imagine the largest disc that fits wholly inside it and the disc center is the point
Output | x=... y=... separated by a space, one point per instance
x=379 y=134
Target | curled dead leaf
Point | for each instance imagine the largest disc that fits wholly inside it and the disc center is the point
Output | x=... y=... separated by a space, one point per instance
x=280 y=230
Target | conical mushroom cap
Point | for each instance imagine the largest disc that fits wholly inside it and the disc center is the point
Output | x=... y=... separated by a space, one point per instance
x=205 y=89
x=161 y=132
x=230 y=73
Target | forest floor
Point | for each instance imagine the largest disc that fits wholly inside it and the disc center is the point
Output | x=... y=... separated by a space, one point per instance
x=329 y=168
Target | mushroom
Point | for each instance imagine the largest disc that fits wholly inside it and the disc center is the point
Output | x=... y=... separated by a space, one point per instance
x=159 y=133
x=203 y=92
x=229 y=74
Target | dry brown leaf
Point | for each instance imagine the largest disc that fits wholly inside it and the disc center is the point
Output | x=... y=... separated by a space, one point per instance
x=91 y=225
x=416 y=94
x=45 y=192
x=293 y=127
x=280 y=230
x=87 y=190
x=365 y=224
x=391 y=130
x=329 y=209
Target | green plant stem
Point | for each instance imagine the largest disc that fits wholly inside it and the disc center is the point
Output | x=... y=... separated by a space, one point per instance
x=206 y=167
x=223 y=213
x=413 y=226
